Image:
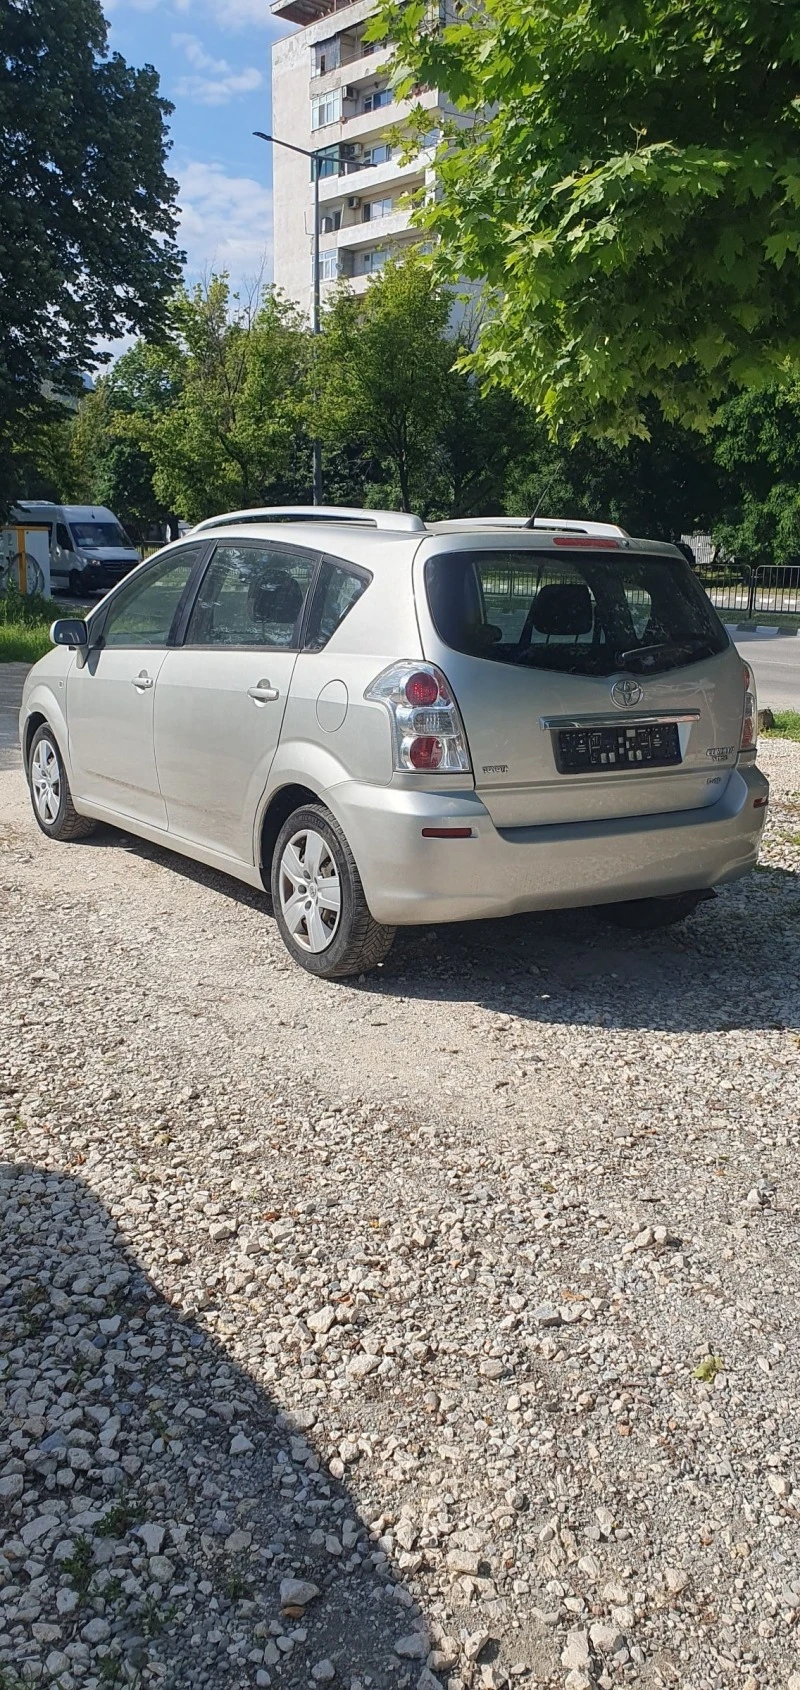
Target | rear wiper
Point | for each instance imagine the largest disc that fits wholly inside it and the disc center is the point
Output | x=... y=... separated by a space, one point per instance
x=641 y=653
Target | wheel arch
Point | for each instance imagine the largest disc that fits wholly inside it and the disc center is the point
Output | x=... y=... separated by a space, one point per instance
x=279 y=808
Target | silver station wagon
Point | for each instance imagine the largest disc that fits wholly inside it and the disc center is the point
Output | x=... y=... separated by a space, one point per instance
x=384 y=723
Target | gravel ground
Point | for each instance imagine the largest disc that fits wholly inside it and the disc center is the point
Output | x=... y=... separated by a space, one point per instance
x=438 y=1329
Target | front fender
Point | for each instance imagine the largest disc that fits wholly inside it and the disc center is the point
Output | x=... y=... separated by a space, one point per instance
x=47 y=697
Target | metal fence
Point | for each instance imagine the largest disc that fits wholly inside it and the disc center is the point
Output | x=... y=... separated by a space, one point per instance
x=773 y=589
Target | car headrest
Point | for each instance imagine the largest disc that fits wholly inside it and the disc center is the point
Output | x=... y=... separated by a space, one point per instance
x=563 y=607
x=278 y=599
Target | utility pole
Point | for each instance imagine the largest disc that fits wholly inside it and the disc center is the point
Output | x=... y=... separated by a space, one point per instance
x=315 y=158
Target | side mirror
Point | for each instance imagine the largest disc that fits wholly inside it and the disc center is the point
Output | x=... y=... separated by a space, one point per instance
x=71 y=631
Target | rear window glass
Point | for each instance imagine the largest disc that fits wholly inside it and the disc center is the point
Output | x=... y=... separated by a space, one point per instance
x=592 y=613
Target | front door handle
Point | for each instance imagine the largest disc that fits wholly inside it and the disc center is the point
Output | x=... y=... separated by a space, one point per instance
x=262 y=692
x=142 y=681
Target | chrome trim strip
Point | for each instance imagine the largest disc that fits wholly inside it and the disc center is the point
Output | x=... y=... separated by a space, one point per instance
x=552 y=723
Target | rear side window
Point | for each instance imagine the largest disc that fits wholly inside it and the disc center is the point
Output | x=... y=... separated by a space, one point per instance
x=337 y=590
x=252 y=596
x=592 y=613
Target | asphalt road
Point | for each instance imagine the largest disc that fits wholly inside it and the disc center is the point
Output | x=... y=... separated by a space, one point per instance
x=776 y=665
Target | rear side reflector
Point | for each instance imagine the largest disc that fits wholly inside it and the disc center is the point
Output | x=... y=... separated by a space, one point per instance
x=589 y=542
x=447 y=833
x=760 y=803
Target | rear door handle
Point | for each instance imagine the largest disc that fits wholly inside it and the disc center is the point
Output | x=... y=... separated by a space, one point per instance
x=262 y=692
x=142 y=681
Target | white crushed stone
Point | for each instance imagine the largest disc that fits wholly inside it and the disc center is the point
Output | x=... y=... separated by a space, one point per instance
x=456 y=1309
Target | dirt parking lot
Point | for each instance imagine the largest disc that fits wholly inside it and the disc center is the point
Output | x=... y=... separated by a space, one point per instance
x=435 y=1329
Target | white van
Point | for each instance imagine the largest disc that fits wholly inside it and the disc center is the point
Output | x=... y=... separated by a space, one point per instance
x=89 y=548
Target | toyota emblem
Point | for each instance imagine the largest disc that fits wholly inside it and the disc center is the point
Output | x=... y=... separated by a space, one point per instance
x=626 y=694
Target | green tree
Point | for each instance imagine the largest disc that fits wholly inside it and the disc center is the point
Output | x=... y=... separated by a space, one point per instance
x=87 y=211
x=757 y=440
x=628 y=193
x=381 y=376
x=233 y=433
x=111 y=460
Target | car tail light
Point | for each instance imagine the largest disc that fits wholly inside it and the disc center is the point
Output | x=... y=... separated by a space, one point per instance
x=750 y=716
x=427 y=731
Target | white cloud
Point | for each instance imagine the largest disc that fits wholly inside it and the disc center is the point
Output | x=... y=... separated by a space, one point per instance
x=216 y=82
x=226 y=223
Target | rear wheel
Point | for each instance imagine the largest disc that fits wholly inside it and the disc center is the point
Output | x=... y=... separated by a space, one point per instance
x=318 y=898
x=50 y=794
x=646 y=914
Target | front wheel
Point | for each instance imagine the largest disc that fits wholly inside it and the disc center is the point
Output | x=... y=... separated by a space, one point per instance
x=76 y=583
x=319 y=901
x=644 y=915
x=50 y=794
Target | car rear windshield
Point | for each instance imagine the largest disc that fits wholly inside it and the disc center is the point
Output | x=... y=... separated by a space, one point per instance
x=592 y=613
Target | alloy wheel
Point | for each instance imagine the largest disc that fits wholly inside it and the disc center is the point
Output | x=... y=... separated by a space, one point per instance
x=310 y=890
x=46 y=781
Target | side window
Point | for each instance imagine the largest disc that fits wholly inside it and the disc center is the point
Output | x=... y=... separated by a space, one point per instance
x=252 y=596
x=336 y=592
x=62 y=537
x=142 y=613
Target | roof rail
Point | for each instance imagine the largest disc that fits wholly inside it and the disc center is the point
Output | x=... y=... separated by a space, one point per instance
x=397 y=520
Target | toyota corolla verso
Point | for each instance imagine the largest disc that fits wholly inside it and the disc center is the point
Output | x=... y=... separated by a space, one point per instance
x=385 y=723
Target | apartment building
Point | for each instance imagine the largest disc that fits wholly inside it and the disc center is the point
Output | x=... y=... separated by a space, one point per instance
x=331 y=91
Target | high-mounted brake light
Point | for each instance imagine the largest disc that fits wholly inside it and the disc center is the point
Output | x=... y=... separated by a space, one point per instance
x=750 y=712
x=588 y=542
x=427 y=731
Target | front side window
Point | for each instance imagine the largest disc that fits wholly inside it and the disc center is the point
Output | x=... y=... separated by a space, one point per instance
x=337 y=590
x=143 y=611
x=588 y=613
x=252 y=596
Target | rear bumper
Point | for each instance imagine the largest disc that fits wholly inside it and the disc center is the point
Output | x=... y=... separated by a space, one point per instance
x=408 y=878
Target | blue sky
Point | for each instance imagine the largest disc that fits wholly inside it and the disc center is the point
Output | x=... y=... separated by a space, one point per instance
x=213 y=58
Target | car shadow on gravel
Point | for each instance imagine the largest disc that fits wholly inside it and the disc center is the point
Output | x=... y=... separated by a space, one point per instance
x=152 y=1498
x=731 y=966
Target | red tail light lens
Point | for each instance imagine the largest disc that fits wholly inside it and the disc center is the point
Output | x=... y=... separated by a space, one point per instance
x=422 y=688
x=425 y=753
x=750 y=714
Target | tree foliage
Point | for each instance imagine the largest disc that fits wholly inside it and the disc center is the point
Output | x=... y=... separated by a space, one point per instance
x=87 y=211
x=629 y=192
x=381 y=373
x=757 y=442
x=232 y=430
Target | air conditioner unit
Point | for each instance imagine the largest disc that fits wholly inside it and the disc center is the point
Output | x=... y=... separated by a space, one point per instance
x=349 y=149
x=350 y=93
x=353 y=203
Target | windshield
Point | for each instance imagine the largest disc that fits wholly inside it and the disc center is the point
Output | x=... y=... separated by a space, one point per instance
x=100 y=534
x=592 y=613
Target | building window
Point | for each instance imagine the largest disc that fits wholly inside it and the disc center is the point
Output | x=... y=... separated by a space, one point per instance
x=326 y=108
x=378 y=155
x=378 y=208
x=325 y=56
x=328 y=265
x=431 y=139
x=378 y=98
x=374 y=260
x=331 y=222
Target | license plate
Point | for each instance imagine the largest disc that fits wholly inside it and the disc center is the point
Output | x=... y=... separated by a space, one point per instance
x=592 y=750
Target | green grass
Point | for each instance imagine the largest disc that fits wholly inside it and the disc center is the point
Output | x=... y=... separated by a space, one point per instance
x=25 y=625
x=787 y=725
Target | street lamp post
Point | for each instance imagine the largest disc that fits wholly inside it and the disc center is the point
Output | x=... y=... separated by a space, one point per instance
x=315 y=297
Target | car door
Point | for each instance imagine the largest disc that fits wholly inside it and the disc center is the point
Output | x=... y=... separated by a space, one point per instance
x=110 y=696
x=222 y=692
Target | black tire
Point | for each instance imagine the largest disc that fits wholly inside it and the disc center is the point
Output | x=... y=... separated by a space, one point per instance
x=358 y=943
x=76 y=583
x=645 y=915
x=65 y=823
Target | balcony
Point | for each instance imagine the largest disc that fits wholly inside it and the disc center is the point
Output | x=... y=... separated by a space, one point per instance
x=304 y=12
x=374 y=232
x=366 y=180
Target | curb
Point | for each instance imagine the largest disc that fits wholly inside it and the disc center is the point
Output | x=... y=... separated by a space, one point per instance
x=765 y=630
